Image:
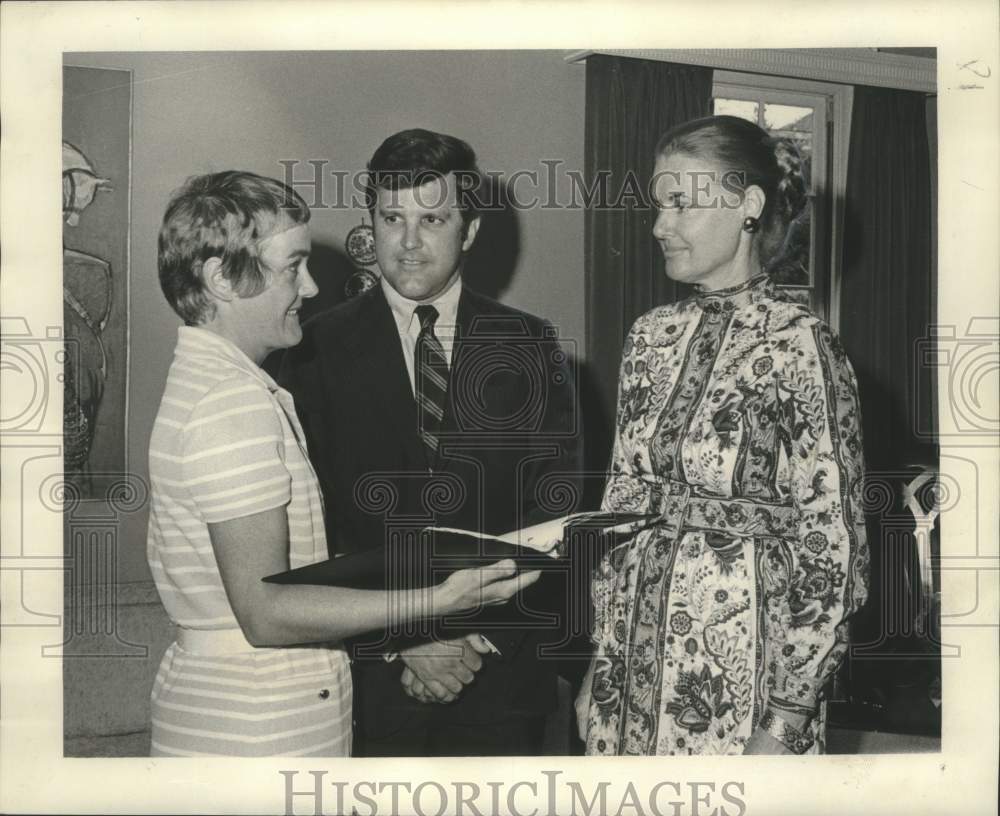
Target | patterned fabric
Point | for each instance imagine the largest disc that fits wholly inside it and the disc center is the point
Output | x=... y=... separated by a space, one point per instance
x=431 y=380
x=737 y=423
x=226 y=444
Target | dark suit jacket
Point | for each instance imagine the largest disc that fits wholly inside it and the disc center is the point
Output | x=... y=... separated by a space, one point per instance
x=508 y=458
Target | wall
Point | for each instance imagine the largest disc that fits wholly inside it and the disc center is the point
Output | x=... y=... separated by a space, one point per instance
x=202 y=112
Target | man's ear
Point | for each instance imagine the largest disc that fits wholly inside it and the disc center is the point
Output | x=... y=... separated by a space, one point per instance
x=470 y=233
x=217 y=284
x=753 y=201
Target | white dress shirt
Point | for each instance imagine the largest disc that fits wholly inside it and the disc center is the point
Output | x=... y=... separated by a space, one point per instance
x=408 y=324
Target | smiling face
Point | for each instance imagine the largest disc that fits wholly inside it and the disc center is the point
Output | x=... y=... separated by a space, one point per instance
x=269 y=320
x=699 y=223
x=419 y=238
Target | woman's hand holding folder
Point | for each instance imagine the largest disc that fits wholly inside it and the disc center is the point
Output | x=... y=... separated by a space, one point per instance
x=470 y=589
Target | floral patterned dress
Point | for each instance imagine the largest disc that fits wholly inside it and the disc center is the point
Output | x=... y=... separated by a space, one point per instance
x=738 y=424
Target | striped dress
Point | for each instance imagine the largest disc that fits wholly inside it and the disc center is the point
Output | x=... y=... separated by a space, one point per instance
x=226 y=444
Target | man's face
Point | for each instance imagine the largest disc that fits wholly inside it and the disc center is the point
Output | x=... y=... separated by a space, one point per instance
x=418 y=238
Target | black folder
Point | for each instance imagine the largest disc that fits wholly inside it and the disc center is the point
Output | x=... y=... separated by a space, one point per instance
x=426 y=557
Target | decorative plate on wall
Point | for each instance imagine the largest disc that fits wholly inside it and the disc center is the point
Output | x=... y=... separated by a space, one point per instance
x=360 y=244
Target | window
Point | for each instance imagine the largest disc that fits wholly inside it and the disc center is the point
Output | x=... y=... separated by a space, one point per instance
x=805 y=112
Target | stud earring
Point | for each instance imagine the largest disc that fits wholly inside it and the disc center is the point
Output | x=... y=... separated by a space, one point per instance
x=751 y=224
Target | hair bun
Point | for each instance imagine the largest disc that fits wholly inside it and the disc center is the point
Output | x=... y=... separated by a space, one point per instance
x=792 y=187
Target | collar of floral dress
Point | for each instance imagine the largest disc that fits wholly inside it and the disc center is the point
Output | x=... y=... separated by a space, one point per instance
x=734 y=296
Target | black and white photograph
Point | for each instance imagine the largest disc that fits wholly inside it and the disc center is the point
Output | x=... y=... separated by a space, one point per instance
x=421 y=421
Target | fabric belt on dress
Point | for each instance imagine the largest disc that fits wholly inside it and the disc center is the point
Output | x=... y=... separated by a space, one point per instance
x=213 y=641
x=682 y=509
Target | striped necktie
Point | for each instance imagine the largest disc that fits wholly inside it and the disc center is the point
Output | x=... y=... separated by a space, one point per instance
x=431 y=381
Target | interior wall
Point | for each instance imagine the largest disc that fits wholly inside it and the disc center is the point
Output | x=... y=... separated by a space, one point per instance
x=201 y=112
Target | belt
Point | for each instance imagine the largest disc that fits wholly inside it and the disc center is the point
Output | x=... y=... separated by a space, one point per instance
x=681 y=508
x=213 y=641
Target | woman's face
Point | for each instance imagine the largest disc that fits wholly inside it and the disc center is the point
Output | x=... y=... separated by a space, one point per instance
x=699 y=223
x=269 y=320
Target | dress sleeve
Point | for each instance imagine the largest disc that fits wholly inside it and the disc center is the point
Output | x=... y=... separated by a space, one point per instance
x=623 y=491
x=826 y=565
x=233 y=453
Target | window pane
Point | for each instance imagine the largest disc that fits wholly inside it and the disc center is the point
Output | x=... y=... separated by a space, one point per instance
x=793 y=123
x=736 y=107
x=792 y=266
x=787 y=117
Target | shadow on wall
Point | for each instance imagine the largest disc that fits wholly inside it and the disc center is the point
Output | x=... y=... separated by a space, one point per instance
x=330 y=268
x=493 y=258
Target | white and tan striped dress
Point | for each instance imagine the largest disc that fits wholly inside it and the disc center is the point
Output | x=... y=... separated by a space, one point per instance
x=226 y=444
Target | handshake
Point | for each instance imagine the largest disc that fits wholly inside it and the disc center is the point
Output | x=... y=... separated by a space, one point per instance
x=436 y=672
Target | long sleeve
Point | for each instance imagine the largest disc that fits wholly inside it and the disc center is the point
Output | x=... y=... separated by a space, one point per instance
x=826 y=566
x=624 y=491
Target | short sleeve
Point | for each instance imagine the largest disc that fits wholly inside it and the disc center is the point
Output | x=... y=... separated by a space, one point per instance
x=233 y=453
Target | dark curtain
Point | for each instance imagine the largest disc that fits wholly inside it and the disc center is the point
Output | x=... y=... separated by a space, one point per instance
x=887 y=288
x=630 y=103
x=888 y=302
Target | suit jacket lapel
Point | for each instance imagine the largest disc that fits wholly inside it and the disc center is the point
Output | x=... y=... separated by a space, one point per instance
x=467 y=312
x=374 y=344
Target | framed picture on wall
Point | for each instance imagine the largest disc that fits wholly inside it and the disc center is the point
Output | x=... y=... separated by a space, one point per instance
x=96 y=186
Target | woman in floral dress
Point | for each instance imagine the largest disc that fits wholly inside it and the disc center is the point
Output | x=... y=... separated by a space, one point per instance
x=718 y=628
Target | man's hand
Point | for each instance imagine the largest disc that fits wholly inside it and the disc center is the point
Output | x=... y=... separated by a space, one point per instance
x=439 y=670
x=414 y=688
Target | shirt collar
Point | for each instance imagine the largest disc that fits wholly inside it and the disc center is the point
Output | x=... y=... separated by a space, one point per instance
x=402 y=308
x=194 y=341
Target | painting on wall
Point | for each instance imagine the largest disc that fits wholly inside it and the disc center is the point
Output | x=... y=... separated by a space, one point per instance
x=96 y=167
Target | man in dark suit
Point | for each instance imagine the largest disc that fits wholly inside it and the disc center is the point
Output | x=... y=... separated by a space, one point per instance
x=426 y=403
